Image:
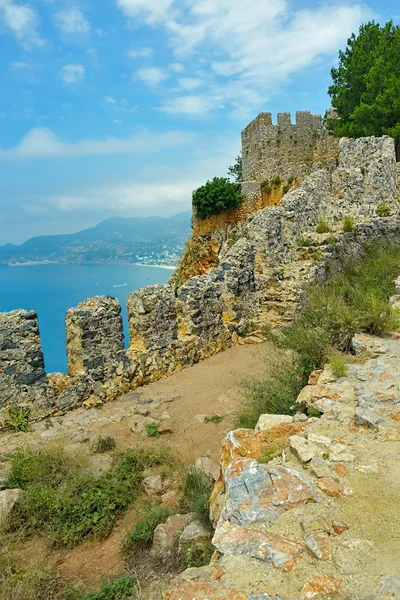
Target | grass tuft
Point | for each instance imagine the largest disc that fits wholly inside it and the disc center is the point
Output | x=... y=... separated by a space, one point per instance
x=104 y=444
x=339 y=365
x=197 y=489
x=322 y=226
x=348 y=224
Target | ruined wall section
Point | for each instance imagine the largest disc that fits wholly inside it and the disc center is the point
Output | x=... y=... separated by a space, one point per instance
x=257 y=282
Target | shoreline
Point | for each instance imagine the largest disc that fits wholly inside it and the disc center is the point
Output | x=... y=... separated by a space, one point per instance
x=44 y=263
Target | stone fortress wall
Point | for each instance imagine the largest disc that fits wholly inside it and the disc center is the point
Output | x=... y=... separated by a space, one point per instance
x=274 y=158
x=257 y=282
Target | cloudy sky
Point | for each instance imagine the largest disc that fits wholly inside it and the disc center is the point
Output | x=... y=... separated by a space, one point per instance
x=122 y=107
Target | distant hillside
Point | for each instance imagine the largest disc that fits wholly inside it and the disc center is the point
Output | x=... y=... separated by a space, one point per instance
x=151 y=240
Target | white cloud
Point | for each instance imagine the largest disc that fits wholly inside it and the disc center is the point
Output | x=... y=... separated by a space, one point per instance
x=189 y=105
x=119 y=105
x=247 y=55
x=72 y=21
x=23 y=21
x=151 y=10
x=177 y=67
x=16 y=64
x=140 y=53
x=41 y=142
x=153 y=75
x=72 y=73
x=190 y=83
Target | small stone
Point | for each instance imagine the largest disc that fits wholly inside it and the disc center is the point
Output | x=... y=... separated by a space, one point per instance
x=321 y=467
x=321 y=585
x=153 y=485
x=315 y=523
x=165 y=427
x=142 y=411
x=200 y=418
x=8 y=498
x=170 y=499
x=366 y=417
x=302 y=448
x=208 y=467
x=341 y=470
x=145 y=400
x=322 y=440
x=166 y=536
x=139 y=423
x=331 y=487
x=318 y=544
x=314 y=377
x=339 y=527
x=340 y=453
x=268 y=421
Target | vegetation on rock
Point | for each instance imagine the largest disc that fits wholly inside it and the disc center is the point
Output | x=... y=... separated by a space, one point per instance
x=216 y=196
x=356 y=300
x=366 y=84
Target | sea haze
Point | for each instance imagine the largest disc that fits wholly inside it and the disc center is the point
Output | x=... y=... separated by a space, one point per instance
x=52 y=289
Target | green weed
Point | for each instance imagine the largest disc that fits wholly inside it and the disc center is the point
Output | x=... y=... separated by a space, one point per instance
x=152 y=429
x=18 y=418
x=214 y=419
x=65 y=502
x=383 y=210
x=124 y=588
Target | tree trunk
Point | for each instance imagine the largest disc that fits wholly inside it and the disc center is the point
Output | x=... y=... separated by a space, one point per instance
x=397 y=142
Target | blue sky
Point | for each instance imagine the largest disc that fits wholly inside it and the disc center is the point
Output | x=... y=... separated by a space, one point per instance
x=123 y=107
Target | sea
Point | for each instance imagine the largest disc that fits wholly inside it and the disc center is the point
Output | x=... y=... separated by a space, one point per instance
x=52 y=289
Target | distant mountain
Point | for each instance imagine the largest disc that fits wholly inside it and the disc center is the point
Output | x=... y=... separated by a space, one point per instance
x=150 y=240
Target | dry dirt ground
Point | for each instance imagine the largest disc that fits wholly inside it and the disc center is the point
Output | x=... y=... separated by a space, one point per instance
x=212 y=387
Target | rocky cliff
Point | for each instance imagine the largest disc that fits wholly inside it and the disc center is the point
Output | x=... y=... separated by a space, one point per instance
x=260 y=266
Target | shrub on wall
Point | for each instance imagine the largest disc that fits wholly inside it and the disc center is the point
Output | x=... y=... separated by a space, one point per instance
x=216 y=196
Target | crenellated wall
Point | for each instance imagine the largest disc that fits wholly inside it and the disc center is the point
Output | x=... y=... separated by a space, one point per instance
x=285 y=150
x=257 y=281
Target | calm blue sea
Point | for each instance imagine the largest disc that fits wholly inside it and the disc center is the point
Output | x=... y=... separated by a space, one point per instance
x=52 y=289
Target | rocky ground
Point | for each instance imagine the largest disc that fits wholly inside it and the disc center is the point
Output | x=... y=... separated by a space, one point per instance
x=322 y=519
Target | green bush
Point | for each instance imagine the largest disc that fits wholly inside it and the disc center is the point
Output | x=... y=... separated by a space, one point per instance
x=65 y=502
x=348 y=224
x=197 y=554
x=305 y=242
x=322 y=226
x=124 y=588
x=18 y=419
x=383 y=210
x=141 y=534
x=197 y=489
x=216 y=196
